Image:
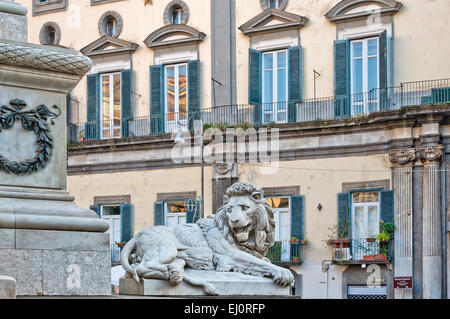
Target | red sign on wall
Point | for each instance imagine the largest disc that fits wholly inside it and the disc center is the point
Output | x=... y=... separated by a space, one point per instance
x=403 y=282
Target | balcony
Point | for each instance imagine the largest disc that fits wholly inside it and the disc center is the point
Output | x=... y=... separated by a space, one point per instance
x=362 y=251
x=285 y=253
x=248 y=115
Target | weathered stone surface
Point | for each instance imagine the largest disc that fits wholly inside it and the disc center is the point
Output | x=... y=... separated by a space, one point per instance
x=83 y=273
x=26 y=267
x=14 y=27
x=57 y=240
x=7 y=287
x=226 y=283
x=7 y=238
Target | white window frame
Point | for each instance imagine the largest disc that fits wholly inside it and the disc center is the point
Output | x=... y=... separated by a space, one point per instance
x=174 y=125
x=275 y=101
x=168 y=214
x=285 y=245
x=115 y=250
x=365 y=91
x=112 y=128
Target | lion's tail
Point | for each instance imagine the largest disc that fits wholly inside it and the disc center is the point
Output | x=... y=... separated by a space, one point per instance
x=125 y=255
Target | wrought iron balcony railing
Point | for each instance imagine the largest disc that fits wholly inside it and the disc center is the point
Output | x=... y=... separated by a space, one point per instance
x=362 y=250
x=250 y=115
x=285 y=252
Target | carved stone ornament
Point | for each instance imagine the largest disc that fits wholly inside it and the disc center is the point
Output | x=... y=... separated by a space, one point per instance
x=223 y=168
x=430 y=154
x=402 y=157
x=33 y=120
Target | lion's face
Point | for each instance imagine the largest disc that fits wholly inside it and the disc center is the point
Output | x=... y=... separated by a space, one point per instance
x=240 y=211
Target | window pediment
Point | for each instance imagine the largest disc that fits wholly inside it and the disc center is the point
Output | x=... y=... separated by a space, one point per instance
x=174 y=34
x=273 y=19
x=109 y=45
x=360 y=9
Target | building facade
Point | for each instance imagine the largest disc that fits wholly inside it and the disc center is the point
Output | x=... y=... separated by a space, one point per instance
x=354 y=93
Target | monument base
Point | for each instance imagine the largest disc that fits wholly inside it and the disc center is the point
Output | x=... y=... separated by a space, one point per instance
x=7 y=288
x=226 y=283
x=56 y=263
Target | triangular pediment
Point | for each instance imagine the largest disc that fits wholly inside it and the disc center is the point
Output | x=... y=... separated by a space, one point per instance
x=359 y=9
x=273 y=19
x=173 y=34
x=108 y=45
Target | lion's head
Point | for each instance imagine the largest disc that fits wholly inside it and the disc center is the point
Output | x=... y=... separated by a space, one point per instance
x=246 y=219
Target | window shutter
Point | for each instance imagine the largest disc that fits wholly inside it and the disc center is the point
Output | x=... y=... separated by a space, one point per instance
x=158 y=213
x=126 y=222
x=387 y=206
x=127 y=99
x=298 y=217
x=194 y=91
x=383 y=71
x=157 y=108
x=96 y=209
x=344 y=215
x=295 y=81
x=69 y=108
x=342 y=78
x=92 y=128
x=194 y=215
x=255 y=83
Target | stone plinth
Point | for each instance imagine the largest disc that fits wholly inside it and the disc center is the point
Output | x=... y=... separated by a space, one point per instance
x=227 y=284
x=7 y=287
x=47 y=243
x=13 y=21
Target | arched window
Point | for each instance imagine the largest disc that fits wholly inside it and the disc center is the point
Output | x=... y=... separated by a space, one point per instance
x=177 y=15
x=177 y=12
x=274 y=4
x=110 y=24
x=50 y=34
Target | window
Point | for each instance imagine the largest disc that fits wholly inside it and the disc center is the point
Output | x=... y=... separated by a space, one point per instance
x=111 y=213
x=364 y=75
x=177 y=15
x=274 y=4
x=110 y=105
x=40 y=7
x=110 y=26
x=50 y=34
x=282 y=216
x=175 y=212
x=176 y=96
x=275 y=88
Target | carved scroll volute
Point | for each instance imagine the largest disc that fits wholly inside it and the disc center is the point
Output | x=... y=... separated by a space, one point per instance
x=402 y=157
x=430 y=154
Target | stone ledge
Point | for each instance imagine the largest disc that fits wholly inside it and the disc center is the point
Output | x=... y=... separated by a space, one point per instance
x=227 y=284
x=7 y=288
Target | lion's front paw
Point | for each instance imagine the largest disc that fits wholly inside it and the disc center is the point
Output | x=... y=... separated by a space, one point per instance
x=210 y=290
x=283 y=277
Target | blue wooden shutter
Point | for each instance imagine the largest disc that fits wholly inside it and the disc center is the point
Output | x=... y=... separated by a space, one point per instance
x=92 y=128
x=158 y=214
x=383 y=70
x=157 y=108
x=69 y=108
x=95 y=208
x=194 y=215
x=298 y=217
x=344 y=215
x=194 y=91
x=127 y=99
x=255 y=83
x=295 y=81
x=126 y=222
x=387 y=206
x=342 y=78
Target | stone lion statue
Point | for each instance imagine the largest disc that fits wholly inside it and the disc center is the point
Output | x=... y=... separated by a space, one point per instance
x=235 y=239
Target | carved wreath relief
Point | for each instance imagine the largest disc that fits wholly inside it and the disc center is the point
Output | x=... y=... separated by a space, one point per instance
x=32 y=120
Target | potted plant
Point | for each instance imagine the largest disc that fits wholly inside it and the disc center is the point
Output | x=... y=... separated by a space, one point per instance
x=304 y=241
x=121 y=244
x=369 y=257
x=293 y=240
x=295 y=259
x=371 y=239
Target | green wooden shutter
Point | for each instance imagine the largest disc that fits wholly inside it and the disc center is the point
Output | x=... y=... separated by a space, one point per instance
x=69 y=108
x=127 y=99
x=96 y=209
x=92 y=127
x=126 y=222
x=344 y=215
x=298 y=217
x=387 y=206
x=255 y=83
x=157 y=109
x=383 y=70
x=194 y=91
x=158 y=214
x=194 y=215
x=295 y=84
x=342 y=78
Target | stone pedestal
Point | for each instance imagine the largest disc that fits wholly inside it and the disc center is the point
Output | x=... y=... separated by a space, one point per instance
x=47 y=243
x=13 y=21
x=227 y=284
x=7 y=287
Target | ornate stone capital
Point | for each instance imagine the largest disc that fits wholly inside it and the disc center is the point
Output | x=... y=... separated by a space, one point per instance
x=223 y=168
x=402 y=157
x=430 y=154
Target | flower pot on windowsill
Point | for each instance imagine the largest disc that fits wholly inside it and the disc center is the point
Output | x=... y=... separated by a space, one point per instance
x=295 y=259
x=369 y=258
x=380 y=257
x=338 y=243
x=371 y=240
x=303 y=242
